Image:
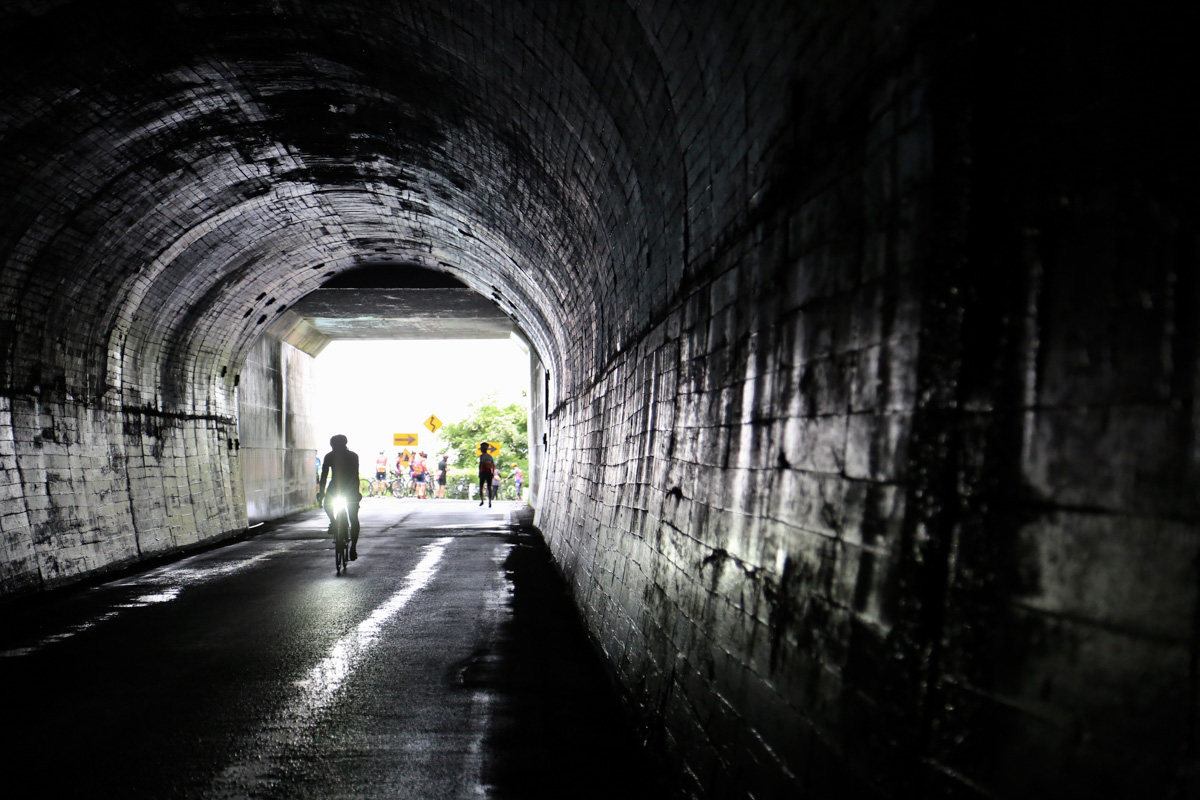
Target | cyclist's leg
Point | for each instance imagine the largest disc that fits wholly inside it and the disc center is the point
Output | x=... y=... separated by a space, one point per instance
x=485 y=486
x=328 y=506
x=352 y=514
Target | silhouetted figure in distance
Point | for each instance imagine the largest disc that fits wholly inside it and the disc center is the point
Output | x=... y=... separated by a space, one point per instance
x=441 y=476
x=487 y=466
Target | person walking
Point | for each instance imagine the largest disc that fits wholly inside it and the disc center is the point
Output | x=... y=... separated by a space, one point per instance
x=487 y=468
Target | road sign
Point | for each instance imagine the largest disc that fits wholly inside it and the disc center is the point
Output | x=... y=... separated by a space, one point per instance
x=406 y=439
x=433 y=423
x=493 y=448
x=405 y=457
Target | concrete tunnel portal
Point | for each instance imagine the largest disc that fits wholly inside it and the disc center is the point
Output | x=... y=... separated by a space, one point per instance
x=870 y=334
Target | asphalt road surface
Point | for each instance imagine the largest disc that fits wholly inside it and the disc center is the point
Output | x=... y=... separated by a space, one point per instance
x=444 y=663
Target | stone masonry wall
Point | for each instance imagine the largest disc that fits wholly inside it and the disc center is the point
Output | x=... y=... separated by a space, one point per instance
x=897 y=498
x=88 y=489
x=1066 y=659
x=728 y=494
x=275 y=429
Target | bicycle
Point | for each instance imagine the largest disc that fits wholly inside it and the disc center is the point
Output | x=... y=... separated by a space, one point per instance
x=341 y=534
x=364 y=487
x=400 y=487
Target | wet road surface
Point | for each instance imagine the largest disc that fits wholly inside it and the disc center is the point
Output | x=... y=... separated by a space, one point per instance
x=444 y=663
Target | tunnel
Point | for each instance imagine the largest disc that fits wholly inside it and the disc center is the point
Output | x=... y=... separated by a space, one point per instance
x=863 y=341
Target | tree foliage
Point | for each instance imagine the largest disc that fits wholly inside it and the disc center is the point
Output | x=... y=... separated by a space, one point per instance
x=488 y=422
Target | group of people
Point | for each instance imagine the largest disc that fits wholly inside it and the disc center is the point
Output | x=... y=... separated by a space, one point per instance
x=418 y=472
x=339 y=477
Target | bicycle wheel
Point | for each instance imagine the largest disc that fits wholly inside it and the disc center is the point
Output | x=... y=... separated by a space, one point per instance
x=364 y=487
x=341 y=549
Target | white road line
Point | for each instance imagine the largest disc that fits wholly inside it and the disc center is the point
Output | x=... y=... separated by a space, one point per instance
x=278 y=735
x=327 y=677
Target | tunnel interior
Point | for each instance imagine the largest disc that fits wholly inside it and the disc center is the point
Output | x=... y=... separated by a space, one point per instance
x=865 y=340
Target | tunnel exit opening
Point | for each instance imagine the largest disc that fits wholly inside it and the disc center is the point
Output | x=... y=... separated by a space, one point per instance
x=391 y=396
x=386 y=355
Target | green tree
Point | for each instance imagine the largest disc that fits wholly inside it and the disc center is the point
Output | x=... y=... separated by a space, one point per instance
x=488 y=422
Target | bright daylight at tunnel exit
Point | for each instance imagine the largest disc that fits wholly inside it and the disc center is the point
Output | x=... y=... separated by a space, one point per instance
x=741 y=400
x=401 y=398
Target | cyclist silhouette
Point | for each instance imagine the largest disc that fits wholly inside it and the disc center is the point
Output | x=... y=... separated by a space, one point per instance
x=343 y=463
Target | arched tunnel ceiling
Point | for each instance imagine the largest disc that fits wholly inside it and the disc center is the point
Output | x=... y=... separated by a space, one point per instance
x=176 y=176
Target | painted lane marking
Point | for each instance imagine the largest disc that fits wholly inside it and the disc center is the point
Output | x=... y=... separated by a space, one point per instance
x=327 y=677
x=279 y=735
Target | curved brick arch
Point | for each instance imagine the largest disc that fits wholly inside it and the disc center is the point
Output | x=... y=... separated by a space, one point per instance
x=205 y=111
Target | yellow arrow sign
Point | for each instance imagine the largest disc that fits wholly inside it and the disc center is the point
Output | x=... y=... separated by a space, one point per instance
x=433 y=423
x=493 y=448
x=408 y=439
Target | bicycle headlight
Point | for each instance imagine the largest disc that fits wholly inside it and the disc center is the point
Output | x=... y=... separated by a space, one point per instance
x=339 y=504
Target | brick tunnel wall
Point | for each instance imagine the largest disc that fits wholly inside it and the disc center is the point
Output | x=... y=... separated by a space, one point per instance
x=897 y=495
x=730 y=492
x=90 y=487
